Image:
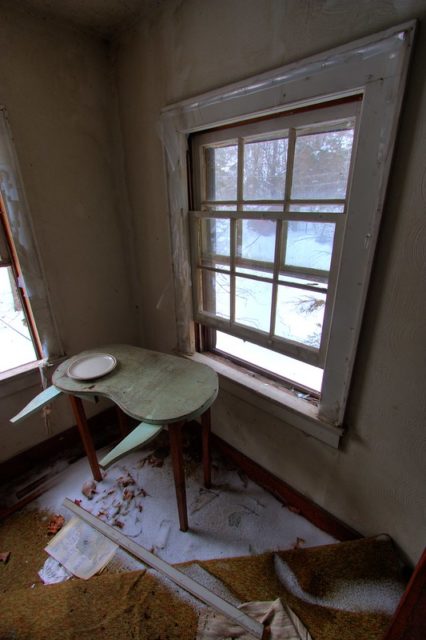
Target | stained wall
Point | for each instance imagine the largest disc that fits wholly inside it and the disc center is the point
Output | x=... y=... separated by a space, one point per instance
x=376 y=481
x=55 y=83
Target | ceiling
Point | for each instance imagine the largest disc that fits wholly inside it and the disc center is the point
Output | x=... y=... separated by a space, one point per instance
x=104 y=17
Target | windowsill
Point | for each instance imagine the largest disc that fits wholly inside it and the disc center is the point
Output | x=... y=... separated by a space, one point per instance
x=270 y=397
x=23 y=377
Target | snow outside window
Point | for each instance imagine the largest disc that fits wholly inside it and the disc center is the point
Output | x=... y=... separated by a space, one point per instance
x=267 y=235
x=17 y=338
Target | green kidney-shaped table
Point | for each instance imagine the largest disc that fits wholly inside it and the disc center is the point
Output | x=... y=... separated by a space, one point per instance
x=156 y=389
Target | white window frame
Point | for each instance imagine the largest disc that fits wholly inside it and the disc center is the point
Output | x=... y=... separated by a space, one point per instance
x=320 y=119
x=376 y=67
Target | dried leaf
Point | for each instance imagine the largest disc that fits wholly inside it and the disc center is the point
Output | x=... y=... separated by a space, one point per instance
x=55 y=524
x=293 y=509
x=125 y=481
x=152 y=460
x=89 y=489
x=299 y=543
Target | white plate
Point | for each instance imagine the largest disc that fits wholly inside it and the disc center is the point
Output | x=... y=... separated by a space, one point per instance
x=91 y=366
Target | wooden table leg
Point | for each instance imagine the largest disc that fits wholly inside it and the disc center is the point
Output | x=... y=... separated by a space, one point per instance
x=175 y=435
x=122 y=421
x=207 y=463
x=86 y=438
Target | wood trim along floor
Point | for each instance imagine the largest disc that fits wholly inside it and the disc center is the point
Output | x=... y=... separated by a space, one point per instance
x=103 y=428
x=286 y=494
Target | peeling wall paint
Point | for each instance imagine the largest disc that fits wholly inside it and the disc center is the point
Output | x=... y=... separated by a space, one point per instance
x=376 y=482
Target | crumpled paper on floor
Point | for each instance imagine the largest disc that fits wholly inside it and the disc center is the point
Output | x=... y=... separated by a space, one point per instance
x=283 y=623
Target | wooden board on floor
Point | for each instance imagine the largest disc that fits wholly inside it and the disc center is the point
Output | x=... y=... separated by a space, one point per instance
x=179 y=578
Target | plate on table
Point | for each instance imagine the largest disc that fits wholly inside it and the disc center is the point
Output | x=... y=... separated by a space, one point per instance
x=90 y=366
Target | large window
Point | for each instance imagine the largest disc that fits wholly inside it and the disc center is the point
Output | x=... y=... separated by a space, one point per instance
x=289 y=179
x=267 y=236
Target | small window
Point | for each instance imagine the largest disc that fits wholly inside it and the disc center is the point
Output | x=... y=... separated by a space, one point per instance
x=267 y=230
x=19 y=343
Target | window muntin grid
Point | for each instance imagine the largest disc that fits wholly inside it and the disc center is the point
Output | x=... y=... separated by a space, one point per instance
x=277 y=265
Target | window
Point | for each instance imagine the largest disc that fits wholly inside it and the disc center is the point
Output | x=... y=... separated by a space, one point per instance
x=24 y=299
x=267 y=234
x=18 y=338
x=281 y=250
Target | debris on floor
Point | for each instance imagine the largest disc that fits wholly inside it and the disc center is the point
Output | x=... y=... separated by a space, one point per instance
x=82 y=550
x=89 y=489
x=137 y=496
x=4 y=556
x=56 y=523
x=53 y=572
x=299 y=543
x=278 y=619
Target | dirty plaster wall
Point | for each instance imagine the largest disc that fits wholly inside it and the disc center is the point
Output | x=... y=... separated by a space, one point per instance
x=376 y=482
x=56 y=86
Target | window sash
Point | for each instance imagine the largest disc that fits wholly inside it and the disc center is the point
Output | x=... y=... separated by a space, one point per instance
x=269 y=339
x=317 y=120
x=9 y=260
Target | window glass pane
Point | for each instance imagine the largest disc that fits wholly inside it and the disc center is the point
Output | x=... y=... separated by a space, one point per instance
x=309 y=244
x=300 y=315
x=284 y=366
x=253 y=303
x=216 y=293
x=265 y=272
x=215 y=240
x=16 y=346
x=256 y=239
x=321 y=164
x=221 y=170
x=264 y=169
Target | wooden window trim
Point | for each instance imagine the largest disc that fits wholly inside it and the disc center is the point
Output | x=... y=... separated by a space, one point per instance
x=13 y=262
x=375 y=66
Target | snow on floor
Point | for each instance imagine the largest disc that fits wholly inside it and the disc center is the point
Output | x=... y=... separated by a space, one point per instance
x=234 y=518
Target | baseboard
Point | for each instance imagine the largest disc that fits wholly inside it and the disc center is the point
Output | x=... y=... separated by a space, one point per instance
x=103 y=428
x=286 y=494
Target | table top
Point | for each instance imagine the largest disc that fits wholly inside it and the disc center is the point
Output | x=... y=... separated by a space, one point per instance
x=147 y=385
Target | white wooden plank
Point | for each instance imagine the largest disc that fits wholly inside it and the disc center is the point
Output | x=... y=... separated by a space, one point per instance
x=179 y=578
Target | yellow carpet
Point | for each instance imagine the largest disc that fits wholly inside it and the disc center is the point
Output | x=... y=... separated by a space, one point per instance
x=137 y=605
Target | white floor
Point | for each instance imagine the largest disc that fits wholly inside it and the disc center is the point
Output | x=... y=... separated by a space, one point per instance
x=235 y=518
